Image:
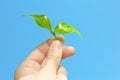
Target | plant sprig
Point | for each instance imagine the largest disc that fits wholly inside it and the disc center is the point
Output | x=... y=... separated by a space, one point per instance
x=61 y=28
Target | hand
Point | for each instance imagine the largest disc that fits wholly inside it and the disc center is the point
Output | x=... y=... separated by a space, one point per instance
x=44 y=62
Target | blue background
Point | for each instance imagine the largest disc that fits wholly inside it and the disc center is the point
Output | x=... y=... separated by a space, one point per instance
x=97 y=53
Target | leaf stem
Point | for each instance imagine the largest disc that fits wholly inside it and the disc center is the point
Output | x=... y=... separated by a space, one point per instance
x=53 y=33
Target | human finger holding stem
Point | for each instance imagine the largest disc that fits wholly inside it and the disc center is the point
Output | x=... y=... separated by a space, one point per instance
x=44 y=61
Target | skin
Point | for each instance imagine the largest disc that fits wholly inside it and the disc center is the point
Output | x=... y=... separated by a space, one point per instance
x=43 y=63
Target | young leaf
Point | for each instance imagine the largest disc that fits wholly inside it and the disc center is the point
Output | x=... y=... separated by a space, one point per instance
x=64 y=28
x=42 y=21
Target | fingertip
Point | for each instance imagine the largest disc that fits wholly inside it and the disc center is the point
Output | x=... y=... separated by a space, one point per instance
x=72 y=49
x=60 y=38
x=68 y=51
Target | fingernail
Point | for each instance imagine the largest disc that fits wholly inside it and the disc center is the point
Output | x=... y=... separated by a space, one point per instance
x=56 y=44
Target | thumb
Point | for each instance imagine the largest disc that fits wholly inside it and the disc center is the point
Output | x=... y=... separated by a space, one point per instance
x=53 y=58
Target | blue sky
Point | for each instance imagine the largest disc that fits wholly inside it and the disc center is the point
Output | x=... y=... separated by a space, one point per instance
x=97 y=53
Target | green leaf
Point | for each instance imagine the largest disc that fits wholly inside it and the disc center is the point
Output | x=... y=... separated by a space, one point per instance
x=42 y=21
x=64 y=28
